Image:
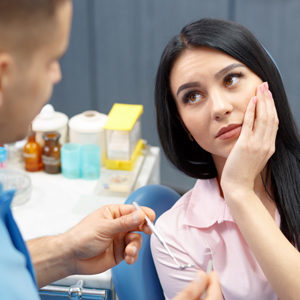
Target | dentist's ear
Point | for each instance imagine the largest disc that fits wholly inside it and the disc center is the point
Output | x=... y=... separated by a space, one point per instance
x=6 y=61
x=184 y=127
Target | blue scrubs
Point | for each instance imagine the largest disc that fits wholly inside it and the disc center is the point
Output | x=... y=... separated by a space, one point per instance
x=17 y=277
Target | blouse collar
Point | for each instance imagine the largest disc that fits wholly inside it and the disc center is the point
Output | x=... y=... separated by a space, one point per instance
x=206 y=206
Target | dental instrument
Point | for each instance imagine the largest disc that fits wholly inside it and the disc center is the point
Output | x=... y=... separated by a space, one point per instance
x=162 y=241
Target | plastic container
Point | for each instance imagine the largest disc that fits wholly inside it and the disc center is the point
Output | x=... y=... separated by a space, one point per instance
x=3 y=158
x=115 y=183
x=90 y=161
x=19 y=181
x=87 y=128
x=50 y=120
x=15 y=154
x=71 y=160
x=123 y=136
x=118 y=182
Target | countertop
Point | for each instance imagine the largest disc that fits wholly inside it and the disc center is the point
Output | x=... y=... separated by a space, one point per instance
x=57 y=204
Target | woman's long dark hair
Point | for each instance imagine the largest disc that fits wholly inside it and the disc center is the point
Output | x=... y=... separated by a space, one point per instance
x=283 y=167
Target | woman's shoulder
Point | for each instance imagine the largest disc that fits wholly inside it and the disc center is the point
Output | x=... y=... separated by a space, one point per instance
x=173 y=227
x=202 y=194
x=183 y=202
x=178 y=211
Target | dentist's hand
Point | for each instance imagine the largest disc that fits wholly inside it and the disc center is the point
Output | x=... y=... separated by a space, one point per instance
x=104 y=238
x=196 y=288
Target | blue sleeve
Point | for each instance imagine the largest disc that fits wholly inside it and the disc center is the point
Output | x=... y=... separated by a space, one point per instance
x=17 y=279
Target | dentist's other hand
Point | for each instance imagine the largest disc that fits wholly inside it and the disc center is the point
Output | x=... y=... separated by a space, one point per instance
x=196 y=288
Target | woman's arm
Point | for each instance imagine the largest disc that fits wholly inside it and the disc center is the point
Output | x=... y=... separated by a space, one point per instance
x=278 y=258
x=172 y=279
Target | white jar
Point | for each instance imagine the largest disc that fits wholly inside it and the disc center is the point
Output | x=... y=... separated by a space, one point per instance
x=50 y=120
x=87 y=128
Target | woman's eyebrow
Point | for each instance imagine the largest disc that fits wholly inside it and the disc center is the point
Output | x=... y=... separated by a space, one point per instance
x=188 y=85
x=227 y=69
x=217 y=76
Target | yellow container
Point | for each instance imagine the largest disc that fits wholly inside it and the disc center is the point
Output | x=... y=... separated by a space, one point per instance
x=123 y=134
x=127 y=165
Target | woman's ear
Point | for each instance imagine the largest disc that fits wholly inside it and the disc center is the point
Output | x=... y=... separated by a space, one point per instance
x=184 y=127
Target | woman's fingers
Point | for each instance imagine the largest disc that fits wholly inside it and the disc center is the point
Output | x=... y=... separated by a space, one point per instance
x=275 y=123
x=267 y=120
x=249 y=118
x=262 y=117
x=262 y=120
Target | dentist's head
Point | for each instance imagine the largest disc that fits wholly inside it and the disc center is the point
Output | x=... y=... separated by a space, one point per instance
x=34 y=34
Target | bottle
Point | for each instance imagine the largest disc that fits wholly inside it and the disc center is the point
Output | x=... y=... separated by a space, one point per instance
x=32 y=152
x=3 y=158
x=49 y=120
x=51 y=153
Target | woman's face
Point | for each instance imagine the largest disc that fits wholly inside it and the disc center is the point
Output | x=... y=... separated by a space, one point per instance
x=212 y=90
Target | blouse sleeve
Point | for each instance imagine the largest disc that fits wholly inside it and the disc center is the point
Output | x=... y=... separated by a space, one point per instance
x=172 y=278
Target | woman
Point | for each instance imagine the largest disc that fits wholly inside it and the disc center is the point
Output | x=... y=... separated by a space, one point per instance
x=219 y=100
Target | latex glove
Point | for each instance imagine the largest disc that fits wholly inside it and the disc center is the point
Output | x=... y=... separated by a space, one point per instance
x=196 y=288
x=104 y=238
x=255 y=145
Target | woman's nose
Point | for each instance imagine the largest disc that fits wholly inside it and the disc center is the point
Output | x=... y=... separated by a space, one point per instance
x=220 y=106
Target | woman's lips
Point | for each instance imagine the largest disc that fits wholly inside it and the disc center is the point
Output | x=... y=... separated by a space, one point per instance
x=229 y=131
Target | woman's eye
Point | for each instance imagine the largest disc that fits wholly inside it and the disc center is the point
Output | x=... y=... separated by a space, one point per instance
x=232 y=79
x=192 y=97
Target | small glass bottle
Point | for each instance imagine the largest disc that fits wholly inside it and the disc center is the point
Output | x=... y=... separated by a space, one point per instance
x=51 y=153
x=32 y=152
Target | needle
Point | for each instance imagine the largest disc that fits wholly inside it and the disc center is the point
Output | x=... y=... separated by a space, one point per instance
x=162 y=241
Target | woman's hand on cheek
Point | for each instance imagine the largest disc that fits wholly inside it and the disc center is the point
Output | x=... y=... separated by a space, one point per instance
x=255 y=145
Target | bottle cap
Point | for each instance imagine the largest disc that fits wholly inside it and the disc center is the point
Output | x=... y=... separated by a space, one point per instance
x=88 y=122
x=49 y=120
x=51 y=136
x=3 y=154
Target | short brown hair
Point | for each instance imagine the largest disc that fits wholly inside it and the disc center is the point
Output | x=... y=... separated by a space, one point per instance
x=25 y=23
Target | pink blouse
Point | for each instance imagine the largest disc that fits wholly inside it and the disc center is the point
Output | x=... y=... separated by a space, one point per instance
x=200 y=227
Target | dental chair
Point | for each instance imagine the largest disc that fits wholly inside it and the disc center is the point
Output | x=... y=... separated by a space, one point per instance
x=140 y=281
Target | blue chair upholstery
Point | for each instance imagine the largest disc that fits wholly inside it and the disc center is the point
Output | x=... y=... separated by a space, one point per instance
x=140 y=281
